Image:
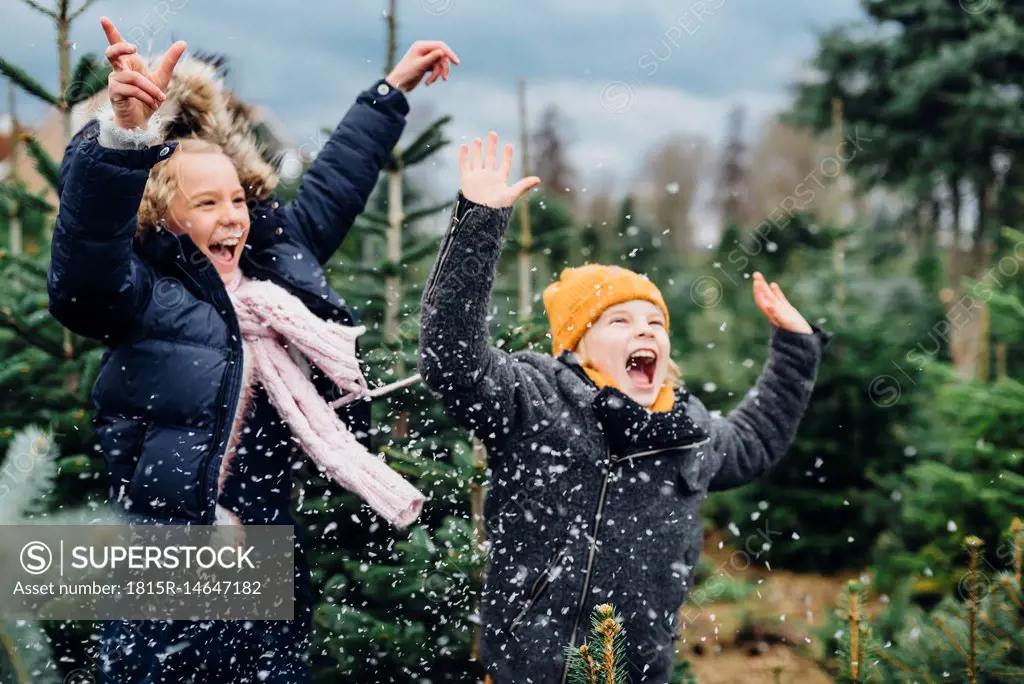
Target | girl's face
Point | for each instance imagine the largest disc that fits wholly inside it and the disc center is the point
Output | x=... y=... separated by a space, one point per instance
x=210 y=207
x=629 y=343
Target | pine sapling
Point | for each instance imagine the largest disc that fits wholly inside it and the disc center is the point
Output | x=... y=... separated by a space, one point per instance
x=973 y=545
x=601 y=665
x=1018 y=550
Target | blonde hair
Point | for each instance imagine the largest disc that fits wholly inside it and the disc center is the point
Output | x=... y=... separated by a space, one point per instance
x=163 y=184
x=675 y=373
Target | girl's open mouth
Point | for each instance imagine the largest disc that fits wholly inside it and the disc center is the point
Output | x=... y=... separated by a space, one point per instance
x=226 y=251
x=640 y=367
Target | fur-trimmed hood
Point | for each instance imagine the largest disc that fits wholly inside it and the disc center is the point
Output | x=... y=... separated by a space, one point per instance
x=198 y=105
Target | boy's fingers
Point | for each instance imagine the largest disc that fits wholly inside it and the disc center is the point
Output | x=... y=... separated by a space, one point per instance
x=506 y=162
x=113 y=36
x=492 y=150
x=477 y=158
x=524 y=185
x=778 y=293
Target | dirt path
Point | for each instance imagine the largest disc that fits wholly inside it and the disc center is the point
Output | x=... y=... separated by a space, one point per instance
x=765 y=637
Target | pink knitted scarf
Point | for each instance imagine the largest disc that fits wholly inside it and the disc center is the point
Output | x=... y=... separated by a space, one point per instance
x=270 y=318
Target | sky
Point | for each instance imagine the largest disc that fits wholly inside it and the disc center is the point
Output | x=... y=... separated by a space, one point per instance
x=625 y=75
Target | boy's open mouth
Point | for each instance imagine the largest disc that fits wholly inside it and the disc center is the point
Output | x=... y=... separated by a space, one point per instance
x=640 y=367
x=227 y=250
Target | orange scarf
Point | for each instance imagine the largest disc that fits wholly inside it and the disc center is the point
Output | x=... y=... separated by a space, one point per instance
x=666 y=397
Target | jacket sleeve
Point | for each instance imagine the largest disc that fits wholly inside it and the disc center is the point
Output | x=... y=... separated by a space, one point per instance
x=96 y=284
x=482 y=388
x=754 y=436
x=335 y=188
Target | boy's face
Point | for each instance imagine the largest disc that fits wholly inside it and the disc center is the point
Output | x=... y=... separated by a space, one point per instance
x=629 y=343
x=210 y=207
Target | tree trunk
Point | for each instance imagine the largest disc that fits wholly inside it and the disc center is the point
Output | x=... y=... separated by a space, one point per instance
x=965 y=312
x=525 y=234
x=15 y=223
x=396 y=214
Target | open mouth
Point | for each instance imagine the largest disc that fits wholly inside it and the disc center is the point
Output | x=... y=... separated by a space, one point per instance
x=640 y=367
x=227 y=250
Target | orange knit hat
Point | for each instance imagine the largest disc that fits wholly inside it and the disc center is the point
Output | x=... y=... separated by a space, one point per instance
x=580 y=296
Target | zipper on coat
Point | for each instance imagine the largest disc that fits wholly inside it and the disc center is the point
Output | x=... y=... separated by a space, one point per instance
x=228 y=387
x=446 y=248
x=539 y=585
x=641 y=454
x=590 y=559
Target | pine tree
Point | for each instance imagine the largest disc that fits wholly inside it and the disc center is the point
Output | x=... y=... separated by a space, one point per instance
x=968 y=474
x=396 y=605
x=856 y=645
x=851 y=433
x=28 y=475
x=976 y=636
x=599 y=659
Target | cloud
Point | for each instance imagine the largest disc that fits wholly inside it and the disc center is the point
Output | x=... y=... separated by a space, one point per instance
x=625 y=75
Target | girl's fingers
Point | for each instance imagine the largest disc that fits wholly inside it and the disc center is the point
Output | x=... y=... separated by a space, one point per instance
x=426 y=61
x=139 y=81
x=463 y=158
x=169 y=61
x=426 y=45
x=506 y=162
x=127 y=90
x=492 y=150
x=476 y=161
x=115 y=52
x=113 y=36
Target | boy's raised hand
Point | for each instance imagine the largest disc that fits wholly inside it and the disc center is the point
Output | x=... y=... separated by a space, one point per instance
x=423 y=56
x=776 y=307
x=483 y=181
x=134 y=92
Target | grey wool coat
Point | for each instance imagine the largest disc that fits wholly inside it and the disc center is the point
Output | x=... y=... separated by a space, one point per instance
x=591 y=498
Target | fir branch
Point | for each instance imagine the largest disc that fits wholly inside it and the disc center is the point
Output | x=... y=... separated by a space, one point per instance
x=44 y=163
x=26 y=198
x=414 y=216
x=26 y=82
x=9 y=321
x=427 y=143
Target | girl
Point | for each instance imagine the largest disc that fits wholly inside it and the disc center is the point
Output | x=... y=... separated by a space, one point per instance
x=598 y=462
x=170 y=248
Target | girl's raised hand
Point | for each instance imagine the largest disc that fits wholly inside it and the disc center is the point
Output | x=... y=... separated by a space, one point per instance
x=423 y=56
x=134 y=92
x=777 y=308
x=483 y=181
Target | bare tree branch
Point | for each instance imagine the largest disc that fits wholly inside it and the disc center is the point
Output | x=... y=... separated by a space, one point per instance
x=85 y=6
x=39 y=8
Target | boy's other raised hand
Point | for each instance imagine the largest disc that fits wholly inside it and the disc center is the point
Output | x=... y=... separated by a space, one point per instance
x=484 y=181
x=423 y=56
x=134 y=92
x=776 y=307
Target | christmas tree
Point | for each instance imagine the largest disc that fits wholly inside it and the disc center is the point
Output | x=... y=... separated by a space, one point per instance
x=967 y=472
x=974 y=636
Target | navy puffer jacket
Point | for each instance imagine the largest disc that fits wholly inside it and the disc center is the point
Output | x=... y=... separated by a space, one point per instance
x=169 y=384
